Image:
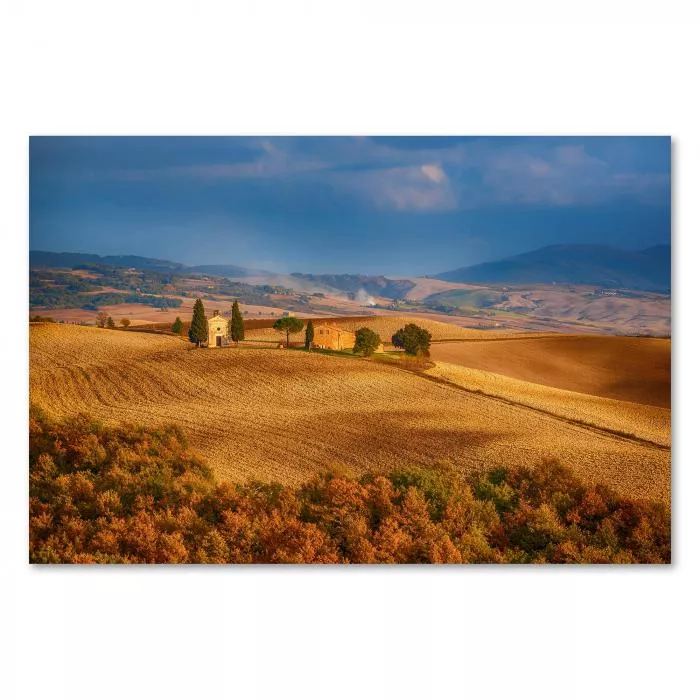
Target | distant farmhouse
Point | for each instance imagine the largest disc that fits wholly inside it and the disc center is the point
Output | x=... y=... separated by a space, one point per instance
x=328 y=337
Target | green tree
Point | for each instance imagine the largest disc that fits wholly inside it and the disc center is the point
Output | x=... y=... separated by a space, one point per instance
x=236 y=325
x=199 y=330
x=177 y=326
x=366 y=341
x=288 y=324
x=110 y=323
x=413 y=339
x=309 y=337
x=125 y=322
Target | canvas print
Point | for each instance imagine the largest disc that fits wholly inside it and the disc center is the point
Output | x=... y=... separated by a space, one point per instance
x=350 y=350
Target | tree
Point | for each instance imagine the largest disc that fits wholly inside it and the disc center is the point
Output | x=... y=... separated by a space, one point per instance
x=366 y=341
x=110 y=323
x=177 y=326
x=125 y=322
x=288 y=324
x=199 y=331
x=101 y=319
x=236 y=325
x=309 y=337
x=413 y=339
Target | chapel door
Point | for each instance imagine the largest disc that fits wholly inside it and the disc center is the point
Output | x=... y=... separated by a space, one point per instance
x=218 y=341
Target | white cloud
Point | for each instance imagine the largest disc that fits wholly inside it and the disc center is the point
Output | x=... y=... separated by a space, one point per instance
x=434 y=173
x=412 y=188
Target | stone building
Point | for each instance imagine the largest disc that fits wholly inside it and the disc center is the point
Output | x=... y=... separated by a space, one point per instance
x=330 y=337
x=218 y=331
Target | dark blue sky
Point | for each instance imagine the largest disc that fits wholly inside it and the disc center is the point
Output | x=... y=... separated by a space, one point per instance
x=392 y=205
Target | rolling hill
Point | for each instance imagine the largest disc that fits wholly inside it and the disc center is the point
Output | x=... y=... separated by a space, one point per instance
x=602 y=266
x=284 y=415
x=626 y=369
x=46 y=259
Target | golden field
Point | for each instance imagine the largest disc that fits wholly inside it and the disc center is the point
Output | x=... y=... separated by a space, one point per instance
x=650 y=423
x=284 y=414
x=622 y=368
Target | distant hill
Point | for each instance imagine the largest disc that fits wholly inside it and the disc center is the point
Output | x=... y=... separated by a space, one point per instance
x=41 y=258
x=598 y=265
x=354 y=284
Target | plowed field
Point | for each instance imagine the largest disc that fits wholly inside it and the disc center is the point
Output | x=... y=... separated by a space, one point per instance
x=284 y=414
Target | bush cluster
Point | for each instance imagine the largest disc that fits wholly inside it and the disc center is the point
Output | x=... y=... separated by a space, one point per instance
x=134 y=495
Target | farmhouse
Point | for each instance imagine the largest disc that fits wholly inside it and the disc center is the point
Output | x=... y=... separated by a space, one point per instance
x=331 y=337
x=218 y=331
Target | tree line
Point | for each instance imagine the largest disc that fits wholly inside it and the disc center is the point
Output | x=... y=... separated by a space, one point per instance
x=129 y=494
x=413 y=339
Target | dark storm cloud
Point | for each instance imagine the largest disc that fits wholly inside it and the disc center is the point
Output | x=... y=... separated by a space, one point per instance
x=384 y=204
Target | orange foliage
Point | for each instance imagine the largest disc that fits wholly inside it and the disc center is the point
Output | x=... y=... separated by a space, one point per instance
x=132 y=495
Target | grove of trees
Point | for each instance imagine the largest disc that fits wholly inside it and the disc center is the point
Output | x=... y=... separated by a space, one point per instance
x=129 y=494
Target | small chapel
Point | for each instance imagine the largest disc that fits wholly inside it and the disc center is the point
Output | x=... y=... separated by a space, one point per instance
x=218 y=331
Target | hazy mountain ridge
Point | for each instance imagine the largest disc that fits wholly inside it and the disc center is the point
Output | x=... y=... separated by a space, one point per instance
x=603 y=266
x=42 y=258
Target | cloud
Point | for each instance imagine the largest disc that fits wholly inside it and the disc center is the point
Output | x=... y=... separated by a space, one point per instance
x=389 y=175
x=559 y=175
x=434 y=173
x=269 y=161
x=412 y=188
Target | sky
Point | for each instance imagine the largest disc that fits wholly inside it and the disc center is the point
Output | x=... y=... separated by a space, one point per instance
x=371 y=205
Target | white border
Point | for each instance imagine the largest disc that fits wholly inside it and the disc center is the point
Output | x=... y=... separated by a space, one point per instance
x=319 y=68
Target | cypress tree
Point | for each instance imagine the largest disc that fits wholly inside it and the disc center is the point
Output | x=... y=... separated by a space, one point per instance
x=199 y=330
x=177 y=326
x=309 y=338
x=110 y=323
x=237 y=332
